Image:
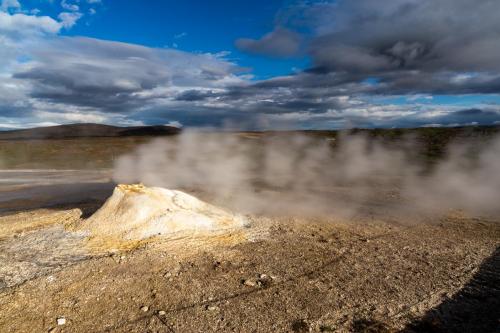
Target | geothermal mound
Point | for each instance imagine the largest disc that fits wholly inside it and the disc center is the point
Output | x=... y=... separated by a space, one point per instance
x=136 y=212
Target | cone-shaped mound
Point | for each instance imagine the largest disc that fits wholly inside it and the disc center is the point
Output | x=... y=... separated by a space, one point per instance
x=136 y=212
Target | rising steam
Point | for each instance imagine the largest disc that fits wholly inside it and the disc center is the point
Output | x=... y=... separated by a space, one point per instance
x=299 y=174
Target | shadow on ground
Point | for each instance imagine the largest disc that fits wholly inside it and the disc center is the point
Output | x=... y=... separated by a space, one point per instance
x=475 y=308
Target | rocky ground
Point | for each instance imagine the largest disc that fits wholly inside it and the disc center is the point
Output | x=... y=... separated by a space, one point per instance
x=378 y=270
x=278 y=275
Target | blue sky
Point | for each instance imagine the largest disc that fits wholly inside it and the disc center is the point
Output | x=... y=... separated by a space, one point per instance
x=194 y=26
x=250 y=64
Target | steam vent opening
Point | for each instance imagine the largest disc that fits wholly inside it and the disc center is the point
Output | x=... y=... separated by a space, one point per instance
x=136 y=212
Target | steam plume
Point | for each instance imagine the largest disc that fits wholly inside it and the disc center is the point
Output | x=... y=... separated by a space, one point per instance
x=299 y=174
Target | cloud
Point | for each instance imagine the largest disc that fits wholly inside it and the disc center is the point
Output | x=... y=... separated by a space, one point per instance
x=423 y=39
x=69 y=6
x=93 y=75
x=71 y=79
x=7 y=4
x=181 y=35
x=68 y=20
x=468 y=116
x=364 y=49
x=195 y=95
x=360 y=52
x=21 y=25
x=410 y=47
x=278 y=43
x=70 y=68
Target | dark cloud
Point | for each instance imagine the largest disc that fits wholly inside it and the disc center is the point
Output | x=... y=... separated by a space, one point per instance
x=369 y=37
x=412 y=46
x=360 y=49
x=116 y=77
x=437 y=83
x=464 y=117
x=196 y=116
x=468 y=116
x=406 y=46
x=194 y=95
x=15 y=111
x=278 y=43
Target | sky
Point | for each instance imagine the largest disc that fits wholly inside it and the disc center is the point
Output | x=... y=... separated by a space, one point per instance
x=250 y=64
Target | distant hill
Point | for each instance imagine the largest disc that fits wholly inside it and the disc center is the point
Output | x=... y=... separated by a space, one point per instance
x=86 y=131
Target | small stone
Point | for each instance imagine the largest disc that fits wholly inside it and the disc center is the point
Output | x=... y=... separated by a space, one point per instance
x=61 y=321
x=161 y=313
x=263 y=276
x=211 y=307
x=145 y=308
x=249 y=283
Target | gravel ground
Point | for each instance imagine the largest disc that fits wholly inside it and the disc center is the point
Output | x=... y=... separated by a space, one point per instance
x=278 y=275
x=385 y=269
x=377 y=271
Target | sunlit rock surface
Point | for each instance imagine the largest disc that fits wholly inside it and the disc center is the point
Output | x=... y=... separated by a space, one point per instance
x=136 y=212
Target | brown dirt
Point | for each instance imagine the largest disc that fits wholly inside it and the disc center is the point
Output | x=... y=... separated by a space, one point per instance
x=279 y=275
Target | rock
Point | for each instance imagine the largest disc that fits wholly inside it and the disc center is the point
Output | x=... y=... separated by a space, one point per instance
x=161 y=313
x=145 y=308
x=211 y=308
x=249 y=283
x=136 y=212
x=61 y=321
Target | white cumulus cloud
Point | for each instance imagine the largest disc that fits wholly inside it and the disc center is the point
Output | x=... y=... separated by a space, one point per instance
x=69 y=19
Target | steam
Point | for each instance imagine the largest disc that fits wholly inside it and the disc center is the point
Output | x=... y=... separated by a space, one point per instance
x=298 y=174
x=468 y=179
